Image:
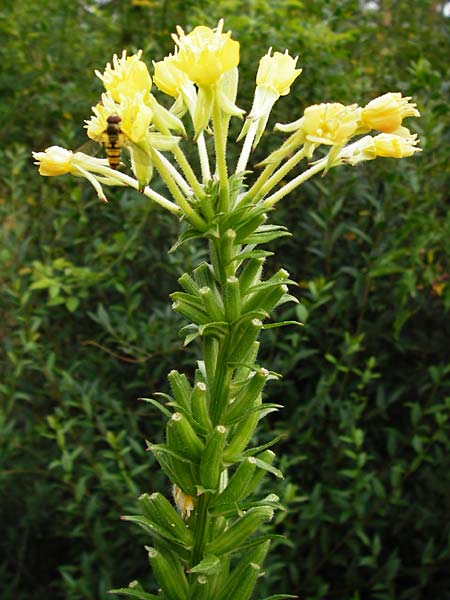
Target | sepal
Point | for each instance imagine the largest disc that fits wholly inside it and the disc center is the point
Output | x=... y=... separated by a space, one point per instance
x=132 y=592
x=236 y=489
x=211 y=464
x=161 y=511
x=242 y=580
x=181 y=437
x=240 y=531
x=169 y=573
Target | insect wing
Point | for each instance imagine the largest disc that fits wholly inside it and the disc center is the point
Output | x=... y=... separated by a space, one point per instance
x=91 y=147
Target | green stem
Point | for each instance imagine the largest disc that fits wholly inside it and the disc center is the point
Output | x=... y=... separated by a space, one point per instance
x=204 y=160
x=275 y=158
x=220 y=125
x=201 y=528
x=282 y=172
x=193 y=217
x=286 y=189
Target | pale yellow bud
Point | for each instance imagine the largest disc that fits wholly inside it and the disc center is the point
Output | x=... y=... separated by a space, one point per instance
x=168 y=77
x=206 y=54
x=54 y=161
x=330 y=124
x=386 y=112
x=277 y=72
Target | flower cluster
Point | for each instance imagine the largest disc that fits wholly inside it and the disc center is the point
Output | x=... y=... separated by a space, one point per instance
x=201 y=77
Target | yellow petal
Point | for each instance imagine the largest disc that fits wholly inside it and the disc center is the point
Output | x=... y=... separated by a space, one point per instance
x=54 y=161
x=127 y=76
x=386 y=112
x=277 y=72
x=206 y=54
x=168 y=77
x=395 y=146
x=331 y=123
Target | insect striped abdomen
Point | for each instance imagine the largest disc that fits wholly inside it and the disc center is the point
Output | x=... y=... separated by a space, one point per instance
x=113 y=144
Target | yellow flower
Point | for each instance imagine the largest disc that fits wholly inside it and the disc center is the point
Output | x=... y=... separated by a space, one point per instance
x=206 y=54
x=54 y=161
x=128 y=76
x=395 y=146
x=386 y=112
x=168 y=77
x=136 y=118
x=135 y=115
x=330 y=124
x=277 y=72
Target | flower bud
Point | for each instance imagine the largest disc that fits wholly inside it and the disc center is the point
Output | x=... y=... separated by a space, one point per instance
x=236 y=489
x=211 y=464
x=157 y=508
x=277 y=72
x=182 y=438
x=242 y=579
x=199 y=406
x=180 y=387
x=243 y=528
x=169 y=573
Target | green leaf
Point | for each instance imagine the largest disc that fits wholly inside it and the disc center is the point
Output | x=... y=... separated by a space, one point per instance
x=210 y=565
x=279 y=597
x=281 y=324
x=134 y=593
x=166 y=450
x=252 y=254
x=72 y=304
x=158 y=405
x=270 y=468
x=258 y=449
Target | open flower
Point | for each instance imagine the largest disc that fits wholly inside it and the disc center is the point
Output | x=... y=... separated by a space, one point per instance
x=395 y=146
x=128 y=76
x=135 y=115
x=206 y=54
x=386 y=112
x=277 y=72
x=331 y=123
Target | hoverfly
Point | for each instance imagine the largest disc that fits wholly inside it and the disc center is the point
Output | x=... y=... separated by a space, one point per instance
x=113 y=142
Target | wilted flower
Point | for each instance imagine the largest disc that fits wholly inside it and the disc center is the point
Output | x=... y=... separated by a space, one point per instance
x=361 y=150
x=206 y=54
x=395 y=146
x=184 y=502
x=128 y=76
x=386 y=112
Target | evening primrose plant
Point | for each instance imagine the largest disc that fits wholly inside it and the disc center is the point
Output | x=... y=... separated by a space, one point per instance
x=205 y=542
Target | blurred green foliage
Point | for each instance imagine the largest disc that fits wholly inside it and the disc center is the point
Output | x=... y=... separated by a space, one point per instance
x=87 y=329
